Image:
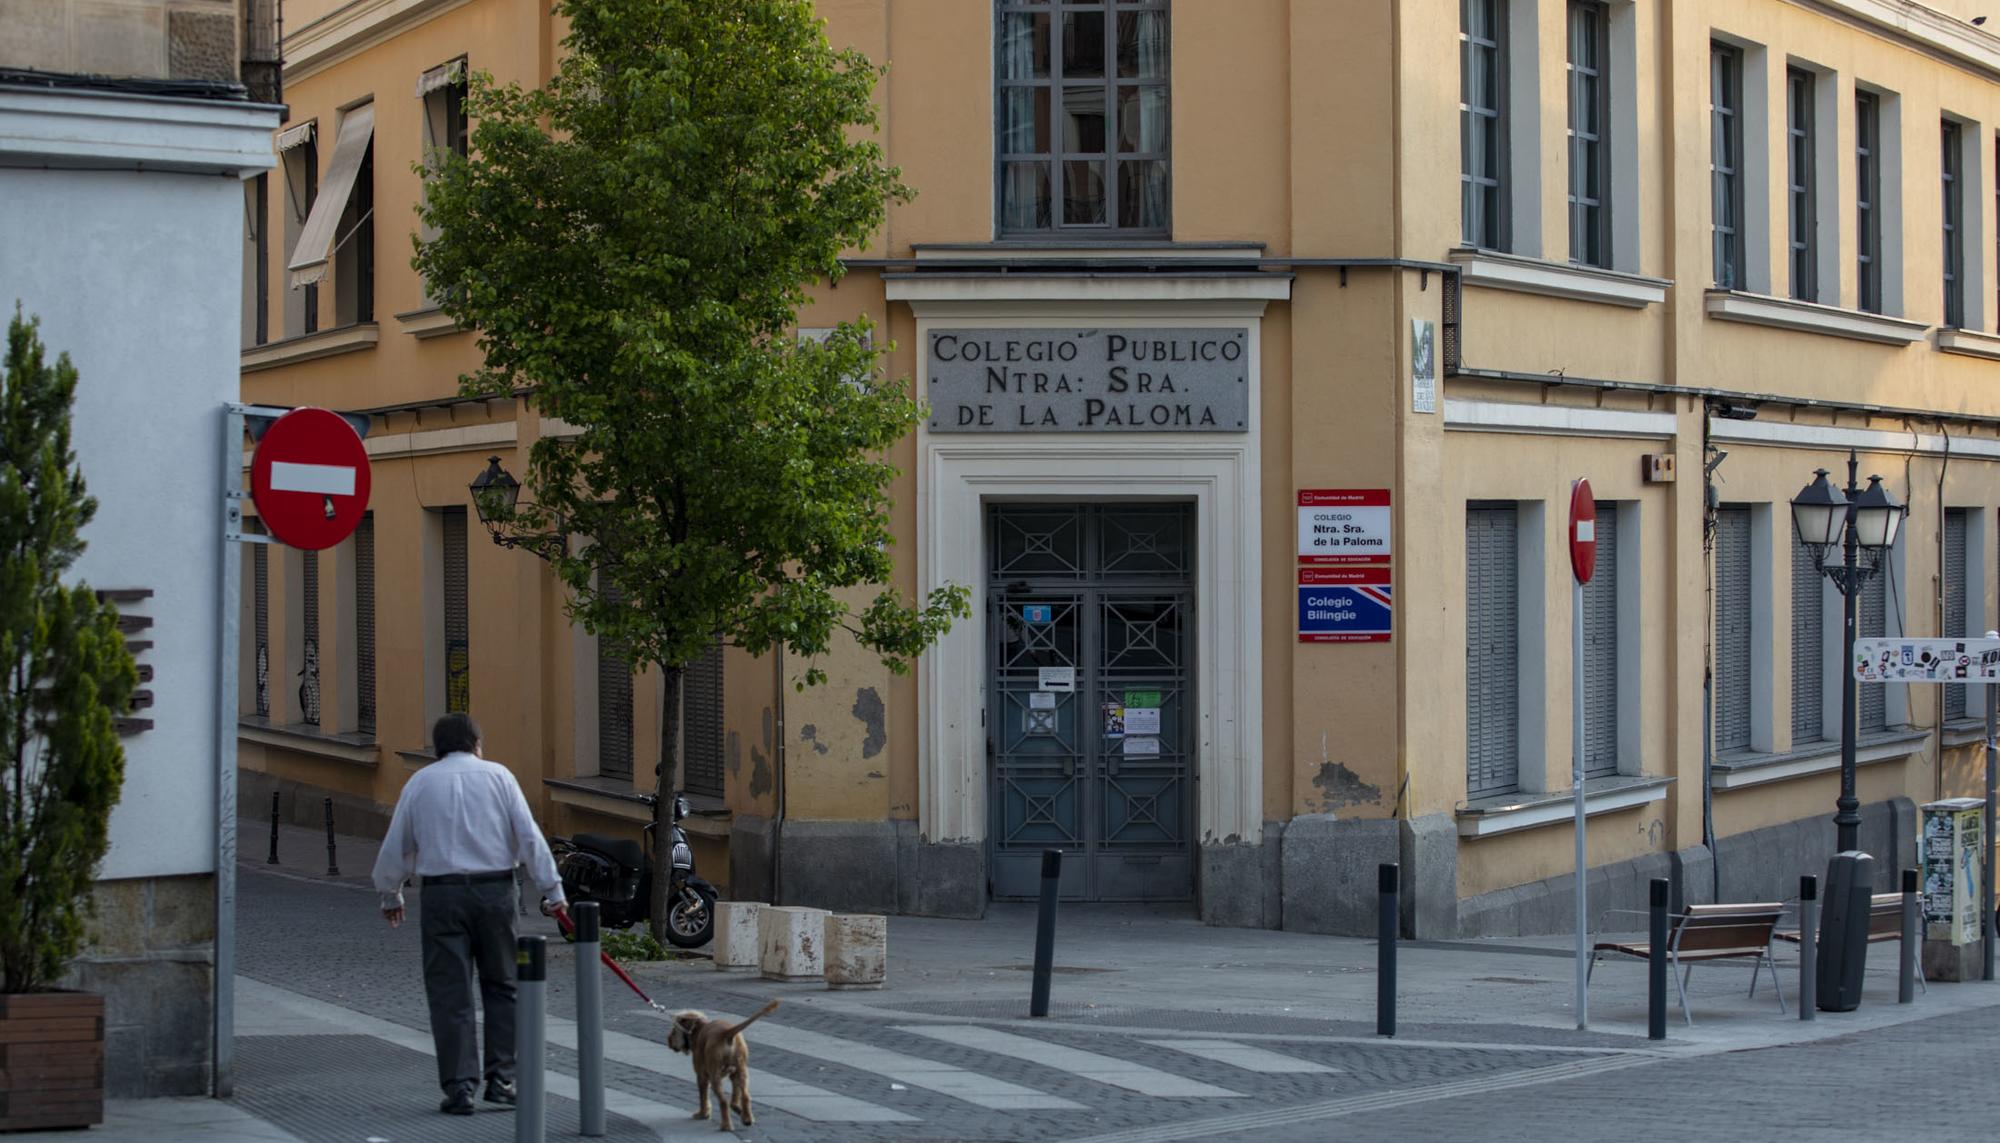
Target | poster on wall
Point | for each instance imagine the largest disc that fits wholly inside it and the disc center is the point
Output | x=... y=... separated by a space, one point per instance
x=1423 y=366
x=1344 y=526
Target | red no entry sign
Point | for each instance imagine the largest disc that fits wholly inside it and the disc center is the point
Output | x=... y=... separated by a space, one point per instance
x=309 y=478
x=1582 y=531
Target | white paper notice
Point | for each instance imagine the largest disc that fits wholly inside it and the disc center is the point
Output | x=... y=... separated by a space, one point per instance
x=1142 y=720
x=1058 y=678
x=1142 y=746
x=1040 y=700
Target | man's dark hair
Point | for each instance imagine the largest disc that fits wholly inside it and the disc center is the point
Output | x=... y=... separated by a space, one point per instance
x=454 y=734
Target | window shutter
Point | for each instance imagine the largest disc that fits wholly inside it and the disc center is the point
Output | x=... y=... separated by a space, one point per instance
x=364 y=625
x=1954 y=599
x=1871 y=700
x=701 y=725
x=1732 y=628
x=614 y=701
x=1808 y=652
x=1600 y=651
x=1492 y=651
x=457 y=638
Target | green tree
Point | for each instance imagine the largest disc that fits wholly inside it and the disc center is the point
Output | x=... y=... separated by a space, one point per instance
x=67 y=675
x=633 y=242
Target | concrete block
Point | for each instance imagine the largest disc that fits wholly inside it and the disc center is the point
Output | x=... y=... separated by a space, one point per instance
x=857 y=950
x=1330 y=872
x=752 y=844
x=1943 y=960
x=843 y=865
x=738 y=942
x=1233 y=884
x=791 y=943
x=1428 y=846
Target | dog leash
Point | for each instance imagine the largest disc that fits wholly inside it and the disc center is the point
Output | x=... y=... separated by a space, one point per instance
x=569 y=928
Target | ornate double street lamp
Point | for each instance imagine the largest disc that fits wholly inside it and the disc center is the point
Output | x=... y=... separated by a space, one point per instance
x=495 y=496
x=1862 y=523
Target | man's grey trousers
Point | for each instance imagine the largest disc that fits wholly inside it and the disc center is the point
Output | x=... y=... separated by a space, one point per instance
x=468 y=927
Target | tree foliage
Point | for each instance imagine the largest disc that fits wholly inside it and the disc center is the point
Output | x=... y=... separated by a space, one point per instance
x=633 y=242
x=67 y=675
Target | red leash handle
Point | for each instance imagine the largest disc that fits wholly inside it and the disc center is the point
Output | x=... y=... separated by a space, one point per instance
x=561 y=914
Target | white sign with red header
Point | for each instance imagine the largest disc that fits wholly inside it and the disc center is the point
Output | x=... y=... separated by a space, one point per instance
x=309 y=478
x=1582 y=531
x=1344 y=526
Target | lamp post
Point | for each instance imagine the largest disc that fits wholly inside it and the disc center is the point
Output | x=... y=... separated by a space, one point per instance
x=1858 y=521
x=495 y=496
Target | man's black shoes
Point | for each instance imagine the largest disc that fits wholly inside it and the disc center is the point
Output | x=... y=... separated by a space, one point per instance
x=457 y=1103
x=501 y=1092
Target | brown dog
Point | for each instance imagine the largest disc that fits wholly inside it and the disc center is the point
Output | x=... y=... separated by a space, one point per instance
x=718 y=1051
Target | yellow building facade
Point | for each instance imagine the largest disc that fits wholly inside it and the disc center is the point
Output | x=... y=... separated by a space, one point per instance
x=1262 y=341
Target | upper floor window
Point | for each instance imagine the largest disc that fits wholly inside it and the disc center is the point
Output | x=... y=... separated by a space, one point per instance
x=442 y=89
x=1725 y=87
x=1482 y=122
x=341 y=219
x=1083 y=136
x=1949 y=176
x=1868 y=200
x=298 y=151
x=1589 y=110
x=1801 y=200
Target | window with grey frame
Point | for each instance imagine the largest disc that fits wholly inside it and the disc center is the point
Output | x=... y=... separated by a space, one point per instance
x=1082 y=129
x=1952 y=186
x=1955 y=578
x=1868 y=201
x=1492 y=649
x=1801 y=153
x=701 y=725
x=257 y=260
x=1725 y=98
x=364 y=624
x=614 y=699
x=1601 y=634
x=1808 y=647
x=1731 y=685
x=1589 y=115
x=1482 y=123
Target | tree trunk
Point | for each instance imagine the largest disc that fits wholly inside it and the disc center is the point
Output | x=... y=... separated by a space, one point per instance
x=669 y=769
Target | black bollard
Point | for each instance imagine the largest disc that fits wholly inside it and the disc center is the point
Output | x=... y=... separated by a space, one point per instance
x=589 y=1022
x=1045 y=932
x=1386 y=920
x=1913 y=940
x=273 y=859
x=332 y=866
x=1808 y=944
x=531 y=974
x=1656 y=960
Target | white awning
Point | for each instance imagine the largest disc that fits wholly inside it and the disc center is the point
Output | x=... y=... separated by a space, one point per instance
x=309 y=257
x=294 y=136
x=443 y=75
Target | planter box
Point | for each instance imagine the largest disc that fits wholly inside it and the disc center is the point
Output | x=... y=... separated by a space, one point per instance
x=51 y=1060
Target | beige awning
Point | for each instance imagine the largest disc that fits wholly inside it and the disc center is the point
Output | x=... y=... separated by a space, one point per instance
x=295 y=136
x=309 y=257
x=443 y=75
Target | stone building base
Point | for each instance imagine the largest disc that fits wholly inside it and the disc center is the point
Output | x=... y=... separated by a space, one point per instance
x=877 y=867
x=151 y=955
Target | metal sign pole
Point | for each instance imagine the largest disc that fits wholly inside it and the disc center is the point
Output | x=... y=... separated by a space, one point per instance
x=223 y=1052
x=1576 y=781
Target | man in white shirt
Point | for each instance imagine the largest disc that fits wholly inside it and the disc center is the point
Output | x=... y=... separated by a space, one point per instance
x=462 y=825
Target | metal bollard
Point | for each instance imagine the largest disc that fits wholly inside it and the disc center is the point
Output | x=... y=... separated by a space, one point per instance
x=1913 y=937
x=589 y=1020
x=332 y=867
x=1045 y=932
x=1386 y=924
x=531 y=974
x=1656 y=959
x=273 y=859
x=1808 y=945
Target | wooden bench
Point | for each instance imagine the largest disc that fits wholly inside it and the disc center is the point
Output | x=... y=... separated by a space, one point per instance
x=1885 y=924
x=1710 y=932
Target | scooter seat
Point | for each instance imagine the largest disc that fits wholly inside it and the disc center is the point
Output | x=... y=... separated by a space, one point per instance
x=624 y=852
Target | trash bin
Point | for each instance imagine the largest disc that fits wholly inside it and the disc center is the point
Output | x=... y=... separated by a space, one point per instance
x=1843 y=930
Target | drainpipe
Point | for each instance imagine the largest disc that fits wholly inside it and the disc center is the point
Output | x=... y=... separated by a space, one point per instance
x=777 y=765
x=1937 y=612
x=1708 y=503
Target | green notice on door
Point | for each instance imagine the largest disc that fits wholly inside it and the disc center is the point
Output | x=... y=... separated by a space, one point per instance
x=1142 y=698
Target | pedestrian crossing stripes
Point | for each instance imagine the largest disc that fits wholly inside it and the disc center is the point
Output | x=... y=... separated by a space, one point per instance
x=1244 y=1056
x=1087 y=1065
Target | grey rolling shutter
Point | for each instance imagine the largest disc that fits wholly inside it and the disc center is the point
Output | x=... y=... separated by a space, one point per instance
x=364 y=625
x=1954 y=599
x=309 y=652
x=701 y=725
x=1808 y=651
x=614 y=702
x=260 y=575
x=457 y=629
x=1600 y=651
x=1870 y=698
x=1492 y=651
x=1732 y=628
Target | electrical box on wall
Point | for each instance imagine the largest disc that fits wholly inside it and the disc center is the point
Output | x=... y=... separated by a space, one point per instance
x=1657 y=467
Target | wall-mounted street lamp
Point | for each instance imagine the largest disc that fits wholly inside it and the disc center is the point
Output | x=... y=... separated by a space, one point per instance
x=1859 y=522
x=495 y=496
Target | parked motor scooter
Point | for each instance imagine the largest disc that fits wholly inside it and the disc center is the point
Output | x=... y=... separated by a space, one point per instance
x=615 y=873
